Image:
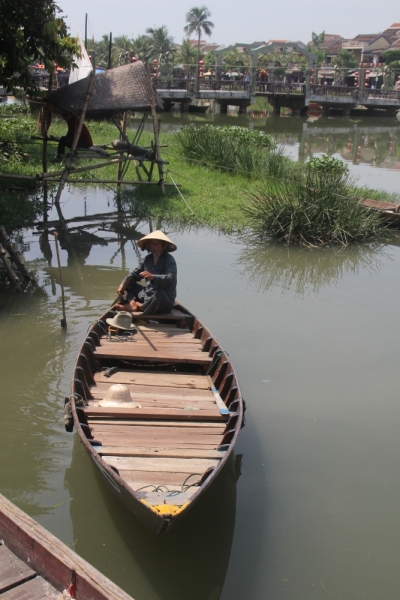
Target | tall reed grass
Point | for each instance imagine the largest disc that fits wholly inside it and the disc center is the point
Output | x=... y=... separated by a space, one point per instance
x=251 y=153
x=317 y=206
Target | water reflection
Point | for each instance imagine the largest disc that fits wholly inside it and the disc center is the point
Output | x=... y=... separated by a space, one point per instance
x=190 y=561
x=302 y=271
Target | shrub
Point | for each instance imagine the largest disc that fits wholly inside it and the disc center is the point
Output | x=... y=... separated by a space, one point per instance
x=315 y=207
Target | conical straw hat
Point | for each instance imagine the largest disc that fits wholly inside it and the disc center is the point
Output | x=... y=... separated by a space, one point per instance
x=122 y=320
x=156 y=235
x=119 y=395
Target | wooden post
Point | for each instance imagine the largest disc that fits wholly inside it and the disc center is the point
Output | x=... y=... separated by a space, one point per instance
x=14 y=279
x=70 y=158
x=155 y=129
x=15 y=256
x=122 y=136
x=64 y=318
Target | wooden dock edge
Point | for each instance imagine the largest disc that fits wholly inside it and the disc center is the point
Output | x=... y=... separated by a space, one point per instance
x=51 y=558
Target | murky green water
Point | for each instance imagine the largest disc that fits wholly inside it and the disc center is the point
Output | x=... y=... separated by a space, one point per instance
x=314 y=339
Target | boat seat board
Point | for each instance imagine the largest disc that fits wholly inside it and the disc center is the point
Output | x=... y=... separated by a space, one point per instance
x=157 y=392
x=113 y=440
x=12 y=570
x=174 y=315
x=164 y=452
x=156 y=413
x=168 y=354
x=195 y=425
x=170 y=465
x=195 y=382
x=35 y=589
x=133 y=431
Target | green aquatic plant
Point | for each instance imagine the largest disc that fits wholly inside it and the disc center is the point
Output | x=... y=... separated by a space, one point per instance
x=313 y=208
x=234 y=149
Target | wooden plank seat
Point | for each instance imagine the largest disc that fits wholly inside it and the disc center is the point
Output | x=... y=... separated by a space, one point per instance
x=187 y=414
x=174 y=315
x=169 y=353
x=159 y=380
x=161 y=451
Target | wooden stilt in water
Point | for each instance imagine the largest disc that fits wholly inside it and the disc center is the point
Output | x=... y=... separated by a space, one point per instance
x=70 y=158
x=12 y=276
x=121 y=136
x=155 y=130
x=64 y=318
x=15 y=256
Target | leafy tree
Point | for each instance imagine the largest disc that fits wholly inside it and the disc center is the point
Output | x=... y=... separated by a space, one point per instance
x=391 y=57
x=317 y=39
x=31 y=30
x=197 y=22
x=314 y=47
x=186 y=54
x=100 y=49
x=346 y=59
x=160 y=40
x=142 y=47
x=209 y=60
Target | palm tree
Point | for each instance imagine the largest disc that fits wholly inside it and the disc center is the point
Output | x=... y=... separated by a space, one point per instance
x=197 y=21
x=142 y=48
x=121 y=44
x=186 y=54
x=160 y=40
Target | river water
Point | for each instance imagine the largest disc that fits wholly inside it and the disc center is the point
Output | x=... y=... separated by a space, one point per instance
x=310 y=507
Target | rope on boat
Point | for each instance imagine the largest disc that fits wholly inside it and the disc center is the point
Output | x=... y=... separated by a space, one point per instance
x=68 y=418
x=113 y=334
x=168 y=492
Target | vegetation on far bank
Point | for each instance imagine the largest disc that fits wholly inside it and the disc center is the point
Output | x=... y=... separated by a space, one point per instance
x=230 y=178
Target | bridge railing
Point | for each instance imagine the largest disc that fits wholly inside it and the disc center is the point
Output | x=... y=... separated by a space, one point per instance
x=279 y=87
x=334 y=90
x=206 y=84
x=382 y=94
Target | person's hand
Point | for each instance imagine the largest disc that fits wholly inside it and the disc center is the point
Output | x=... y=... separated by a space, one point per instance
x=147 y=275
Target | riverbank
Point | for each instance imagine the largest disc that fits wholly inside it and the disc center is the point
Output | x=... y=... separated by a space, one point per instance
x=206 y=196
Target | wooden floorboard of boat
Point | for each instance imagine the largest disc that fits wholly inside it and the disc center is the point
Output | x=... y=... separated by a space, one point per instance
x=217 y=427
x=134 y=430
x=132 y=351
x=195 y=382
x=156 y=413
x=160 y=452
x=12 y=570
x=158 y=391
x=170 y=465
x=188 y=441
x=150 y=403
x=35 y=589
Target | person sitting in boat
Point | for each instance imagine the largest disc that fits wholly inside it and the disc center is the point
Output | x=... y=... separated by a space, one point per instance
x=151 y=287
x=66 y=141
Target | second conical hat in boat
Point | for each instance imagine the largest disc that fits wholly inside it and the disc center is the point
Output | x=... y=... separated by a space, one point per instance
x=157 y=235
x=119 y=395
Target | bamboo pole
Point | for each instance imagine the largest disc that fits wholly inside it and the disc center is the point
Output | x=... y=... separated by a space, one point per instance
x=70 y=158
x=155 y=129
x=122 y=136
x=64 y=318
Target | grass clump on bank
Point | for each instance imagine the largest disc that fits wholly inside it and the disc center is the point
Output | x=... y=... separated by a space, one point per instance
x=317 y=206
x=251 y=153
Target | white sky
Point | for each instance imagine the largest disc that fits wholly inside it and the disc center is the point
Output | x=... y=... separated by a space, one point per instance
x=246 y=22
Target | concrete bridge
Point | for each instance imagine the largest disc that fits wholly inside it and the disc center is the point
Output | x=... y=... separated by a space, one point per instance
x=296 y=96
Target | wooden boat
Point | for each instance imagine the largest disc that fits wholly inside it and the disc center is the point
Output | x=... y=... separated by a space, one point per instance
x=197 y=108
x=36 y=565
x=161 y=458
x=390 y=212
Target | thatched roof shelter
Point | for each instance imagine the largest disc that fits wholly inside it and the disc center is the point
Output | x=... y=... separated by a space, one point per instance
x=117 y=90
